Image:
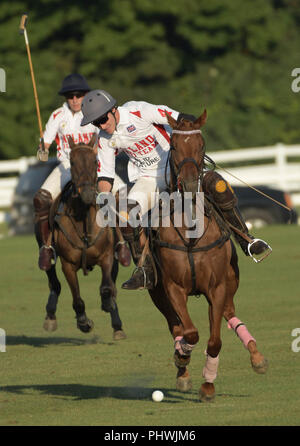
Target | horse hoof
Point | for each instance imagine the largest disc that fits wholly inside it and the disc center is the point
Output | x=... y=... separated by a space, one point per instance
x=207 y=393
x=118 y=335
x=183 y=384
x=86 y=327
x=261 y=367
x=50 y=324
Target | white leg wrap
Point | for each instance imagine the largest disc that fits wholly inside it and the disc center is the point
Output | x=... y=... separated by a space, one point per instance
x=210 y=369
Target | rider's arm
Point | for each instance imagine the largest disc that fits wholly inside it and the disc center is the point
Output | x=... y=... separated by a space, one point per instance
x=51 y=127
x=152 y=113
x=106 y=166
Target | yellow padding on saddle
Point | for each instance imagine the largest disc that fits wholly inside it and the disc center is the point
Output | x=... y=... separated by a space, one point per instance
x=124 y=215
x=221 y=186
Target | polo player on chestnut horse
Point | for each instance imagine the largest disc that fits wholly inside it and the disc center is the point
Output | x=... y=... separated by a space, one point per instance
x=206 y=264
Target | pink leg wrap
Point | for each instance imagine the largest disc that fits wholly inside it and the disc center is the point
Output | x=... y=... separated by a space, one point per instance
x=182 y=346
x=241 y=330
x=210 y=369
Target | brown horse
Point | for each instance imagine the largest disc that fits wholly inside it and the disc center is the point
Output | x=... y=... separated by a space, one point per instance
x=206 y=264
x=81 y=243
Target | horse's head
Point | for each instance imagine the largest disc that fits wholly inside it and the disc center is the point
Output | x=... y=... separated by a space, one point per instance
x=84 y=163
x=187 y=153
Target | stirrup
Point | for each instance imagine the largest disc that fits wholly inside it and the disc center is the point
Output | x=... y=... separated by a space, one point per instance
x=54 y=259
x=259 y=257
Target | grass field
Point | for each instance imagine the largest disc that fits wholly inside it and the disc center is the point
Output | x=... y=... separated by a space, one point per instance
x=68 y=378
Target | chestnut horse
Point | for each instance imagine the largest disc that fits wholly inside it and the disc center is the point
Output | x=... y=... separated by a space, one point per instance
x=81 y=243
x=206 y=264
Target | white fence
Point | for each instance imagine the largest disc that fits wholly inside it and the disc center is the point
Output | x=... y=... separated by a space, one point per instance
x=276 y=166
x=12 y=169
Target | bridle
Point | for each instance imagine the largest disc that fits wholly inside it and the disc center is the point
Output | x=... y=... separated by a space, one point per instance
x=177 y=169
x=77 y=187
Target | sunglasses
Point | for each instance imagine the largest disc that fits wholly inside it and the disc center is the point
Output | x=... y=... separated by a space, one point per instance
x=77 y=94
x=101 y=120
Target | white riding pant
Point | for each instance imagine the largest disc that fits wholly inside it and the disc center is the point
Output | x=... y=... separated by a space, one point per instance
x=143 y=191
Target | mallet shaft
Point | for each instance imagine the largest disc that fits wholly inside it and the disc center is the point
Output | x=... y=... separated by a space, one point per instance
x=23 y=30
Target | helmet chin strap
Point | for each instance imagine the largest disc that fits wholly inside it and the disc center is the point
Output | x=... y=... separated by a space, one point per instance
x=114 y=115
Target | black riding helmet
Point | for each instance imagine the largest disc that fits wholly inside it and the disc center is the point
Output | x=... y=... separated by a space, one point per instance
x=74 y=82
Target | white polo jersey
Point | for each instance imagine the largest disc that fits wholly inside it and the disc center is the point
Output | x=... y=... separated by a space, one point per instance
x=63 y=123
x=143 y=133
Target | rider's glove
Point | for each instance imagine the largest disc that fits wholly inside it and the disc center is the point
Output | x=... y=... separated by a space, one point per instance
x=42 y=155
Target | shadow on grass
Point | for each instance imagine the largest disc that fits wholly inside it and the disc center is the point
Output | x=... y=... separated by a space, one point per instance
x=81 y=392
x=44 y=342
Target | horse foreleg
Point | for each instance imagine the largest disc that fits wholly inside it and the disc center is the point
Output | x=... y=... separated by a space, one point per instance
x=83 y=323
x=161 y=301
x=108 y=299
x=50 y=323
x=108 y=290
x=185 y=336
x=210 y=370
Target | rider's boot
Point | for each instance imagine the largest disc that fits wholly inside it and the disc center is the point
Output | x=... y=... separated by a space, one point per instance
x=122 y=251
x=143 y=276
x=226 y=200
x=42 y=203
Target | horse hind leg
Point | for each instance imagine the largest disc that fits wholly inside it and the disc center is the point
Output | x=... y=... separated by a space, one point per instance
x=50 y=322
x=258 y=361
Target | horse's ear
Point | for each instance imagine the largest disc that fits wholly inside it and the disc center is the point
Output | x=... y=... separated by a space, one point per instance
x=71 y=142
x=94 y=143
x=201 y=120
x=172 y=122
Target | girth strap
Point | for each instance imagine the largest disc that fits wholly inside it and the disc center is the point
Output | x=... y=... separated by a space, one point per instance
x=219 y=242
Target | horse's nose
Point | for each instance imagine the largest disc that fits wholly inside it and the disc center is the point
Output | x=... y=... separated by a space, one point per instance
x=190 y=185
x=87 y=195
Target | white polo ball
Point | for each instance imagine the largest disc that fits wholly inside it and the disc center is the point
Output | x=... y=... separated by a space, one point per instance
x=157 y=396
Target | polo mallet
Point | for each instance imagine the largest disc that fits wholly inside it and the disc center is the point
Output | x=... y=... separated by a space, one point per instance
x=43 y=155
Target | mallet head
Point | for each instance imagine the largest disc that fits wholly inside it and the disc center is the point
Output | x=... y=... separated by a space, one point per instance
x=23 y=23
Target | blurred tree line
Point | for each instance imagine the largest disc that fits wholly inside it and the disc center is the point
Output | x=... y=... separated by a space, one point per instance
x=233 y=57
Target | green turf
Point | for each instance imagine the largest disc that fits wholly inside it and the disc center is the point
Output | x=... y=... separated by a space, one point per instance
x=68 y=378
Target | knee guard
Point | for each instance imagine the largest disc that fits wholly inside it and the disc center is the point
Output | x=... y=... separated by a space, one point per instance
x=220 y=190
x=42 y=202
x=131 y=234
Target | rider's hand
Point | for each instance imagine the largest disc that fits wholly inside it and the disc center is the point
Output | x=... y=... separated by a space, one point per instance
x=103 y=198
x=42 y=155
